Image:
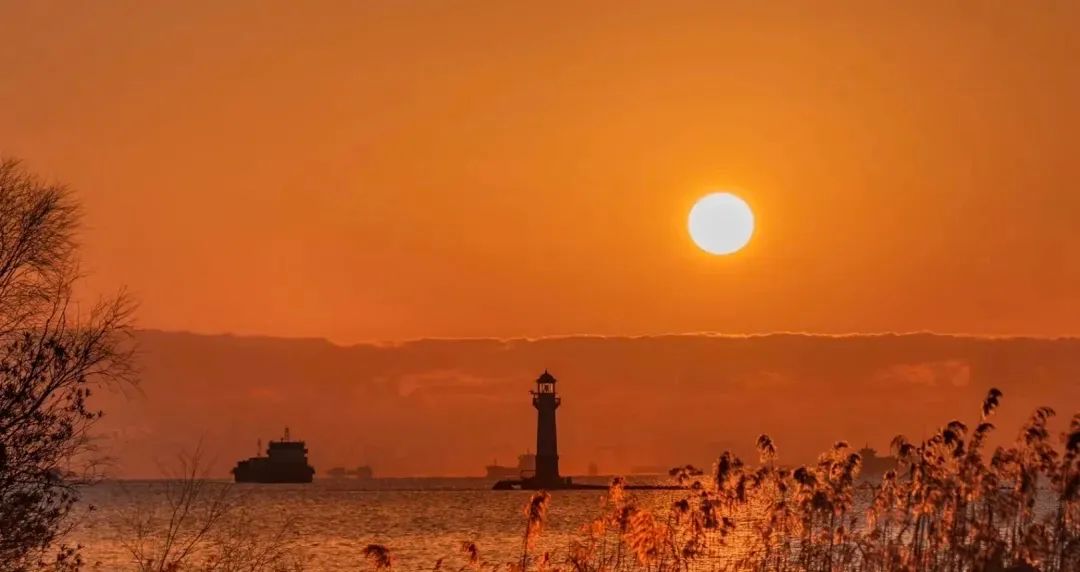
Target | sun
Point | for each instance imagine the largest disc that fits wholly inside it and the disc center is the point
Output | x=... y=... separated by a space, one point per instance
x=721 y=223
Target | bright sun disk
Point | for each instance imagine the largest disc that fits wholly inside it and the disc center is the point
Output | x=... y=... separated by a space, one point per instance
x=721 y=223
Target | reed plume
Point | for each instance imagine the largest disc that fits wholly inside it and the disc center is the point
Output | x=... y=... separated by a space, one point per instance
x=535 y=513
x=471 y=553
x=379 y=556
x=766 y=449
x=993 y=399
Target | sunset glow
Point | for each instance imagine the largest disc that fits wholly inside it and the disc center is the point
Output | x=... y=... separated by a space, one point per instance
x=405 y=275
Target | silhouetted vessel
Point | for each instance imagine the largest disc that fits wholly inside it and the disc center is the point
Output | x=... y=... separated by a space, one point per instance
x=873 y=465
x=285 y=462
x=526 y=467
x=362 y=472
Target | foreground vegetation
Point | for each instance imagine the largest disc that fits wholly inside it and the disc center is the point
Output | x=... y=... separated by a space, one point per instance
x=949 y=505
x=53 y=353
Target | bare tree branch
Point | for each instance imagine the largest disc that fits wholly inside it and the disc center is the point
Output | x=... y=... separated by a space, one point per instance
x=51 y=359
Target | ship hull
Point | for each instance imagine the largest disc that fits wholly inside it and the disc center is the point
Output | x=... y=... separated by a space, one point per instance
x=274 y=478
x=249 y=472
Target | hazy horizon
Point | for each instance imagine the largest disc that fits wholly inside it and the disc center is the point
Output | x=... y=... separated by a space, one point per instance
x=394 y=405
x=704 y=333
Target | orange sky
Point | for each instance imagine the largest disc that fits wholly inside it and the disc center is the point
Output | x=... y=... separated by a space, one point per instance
x=400 y=169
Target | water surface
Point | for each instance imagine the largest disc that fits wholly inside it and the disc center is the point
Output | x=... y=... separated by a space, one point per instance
x=420 y=520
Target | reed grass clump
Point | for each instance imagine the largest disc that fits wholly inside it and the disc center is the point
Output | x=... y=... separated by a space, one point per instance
x=949 y=505
x=535 y=513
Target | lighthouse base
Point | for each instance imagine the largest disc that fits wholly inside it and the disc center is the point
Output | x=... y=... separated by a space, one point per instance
x=535 y=484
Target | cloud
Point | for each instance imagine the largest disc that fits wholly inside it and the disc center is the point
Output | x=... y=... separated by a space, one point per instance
x=928 y=374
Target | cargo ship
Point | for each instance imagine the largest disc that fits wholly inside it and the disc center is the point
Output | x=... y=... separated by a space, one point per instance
x=362 y=472
x=526 y=467
x=285 y=462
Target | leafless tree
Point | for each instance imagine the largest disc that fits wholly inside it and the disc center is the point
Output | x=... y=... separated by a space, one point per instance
x=204 y=525
x=52 y=355
x=195 y=506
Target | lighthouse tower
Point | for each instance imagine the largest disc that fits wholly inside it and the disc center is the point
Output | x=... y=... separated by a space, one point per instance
x=546 y=401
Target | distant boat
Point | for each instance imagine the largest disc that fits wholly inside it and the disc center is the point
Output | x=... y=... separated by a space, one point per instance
x=873 y=465
x=285 y=462
x=526 y=467
x=362 y=472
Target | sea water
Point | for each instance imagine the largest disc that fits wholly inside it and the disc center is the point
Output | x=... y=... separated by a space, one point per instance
x=328 y=523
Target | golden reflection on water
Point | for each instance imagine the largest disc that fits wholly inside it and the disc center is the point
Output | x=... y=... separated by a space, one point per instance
x=420 y=520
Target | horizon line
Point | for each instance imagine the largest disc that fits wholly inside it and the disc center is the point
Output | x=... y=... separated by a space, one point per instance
x=586 y=336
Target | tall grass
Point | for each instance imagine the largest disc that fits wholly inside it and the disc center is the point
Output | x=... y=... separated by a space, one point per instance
x=949 y=505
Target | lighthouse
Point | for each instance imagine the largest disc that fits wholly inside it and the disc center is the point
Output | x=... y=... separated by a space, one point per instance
x=546 y=401
x=546 y=476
